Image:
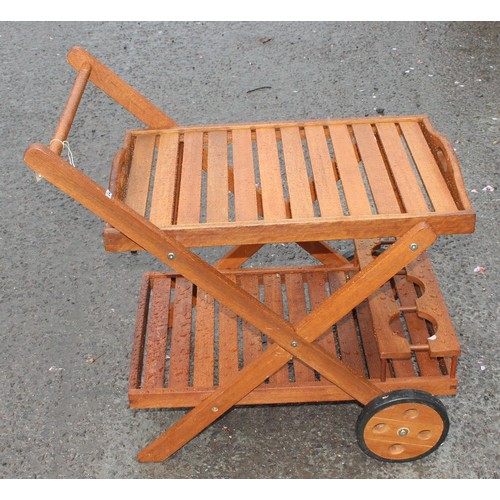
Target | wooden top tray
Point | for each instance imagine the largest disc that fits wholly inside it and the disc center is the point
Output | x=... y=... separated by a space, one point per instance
x=290 y=181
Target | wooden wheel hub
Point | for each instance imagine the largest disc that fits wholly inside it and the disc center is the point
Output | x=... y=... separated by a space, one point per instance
x=402 y=426
x=403 y=431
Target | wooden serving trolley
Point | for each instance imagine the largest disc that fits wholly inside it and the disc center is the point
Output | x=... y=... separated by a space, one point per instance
x=371 y=326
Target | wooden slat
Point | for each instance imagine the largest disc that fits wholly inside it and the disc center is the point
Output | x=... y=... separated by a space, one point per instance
x=376 y=172
x=156 y=345
x=350 y=175
x=431 y=176
x=164 y=189
x=139 y=177
x=273 y=201
x=297 y=311
x=252 y=340
x=228 y=343
x=203 y=364
x=217 y=178
x=402 y=170
x=402 y=368
x=274 y=300
x=365 y=323
x=301 y=203
x=316 y=283
x=141 y=322
x=245 y=195
x=325 y=184
x=190 y=184
x=178 y=375
x=350 y=349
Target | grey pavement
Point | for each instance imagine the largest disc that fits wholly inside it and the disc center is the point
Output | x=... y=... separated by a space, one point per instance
x=63 y=299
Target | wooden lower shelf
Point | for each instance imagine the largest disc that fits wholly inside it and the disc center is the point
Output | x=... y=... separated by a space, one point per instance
x=187 y=344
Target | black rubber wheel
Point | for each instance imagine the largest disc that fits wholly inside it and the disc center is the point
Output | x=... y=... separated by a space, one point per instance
x=402 y=426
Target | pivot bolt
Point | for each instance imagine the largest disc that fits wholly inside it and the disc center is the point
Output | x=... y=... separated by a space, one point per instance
x=413 y=247
x=171 y=256
x=294 y=343
x=215 y=409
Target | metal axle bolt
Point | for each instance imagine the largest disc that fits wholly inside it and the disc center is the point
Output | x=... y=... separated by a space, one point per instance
x=171 y=256
x=294 y=343
x=413 y=247
x=403 y=431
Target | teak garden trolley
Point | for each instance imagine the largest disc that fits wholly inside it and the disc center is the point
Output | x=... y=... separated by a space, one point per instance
x=371 y=327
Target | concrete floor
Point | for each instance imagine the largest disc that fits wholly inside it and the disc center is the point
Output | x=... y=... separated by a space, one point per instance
x=63 y=299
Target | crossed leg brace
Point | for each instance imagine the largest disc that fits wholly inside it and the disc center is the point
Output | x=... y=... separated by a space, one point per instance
x=297 y=342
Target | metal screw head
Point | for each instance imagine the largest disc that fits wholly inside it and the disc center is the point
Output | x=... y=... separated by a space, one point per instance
x=294 y=343
x=413 y=247
x=403 y=431
x=215 y=409
x=171 y=256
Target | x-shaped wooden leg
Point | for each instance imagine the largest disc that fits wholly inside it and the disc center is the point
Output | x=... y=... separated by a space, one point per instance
x=297 y=342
